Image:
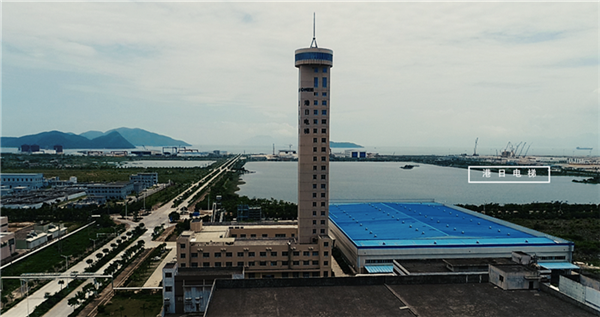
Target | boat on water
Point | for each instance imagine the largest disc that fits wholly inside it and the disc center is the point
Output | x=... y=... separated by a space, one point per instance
x=408 y=167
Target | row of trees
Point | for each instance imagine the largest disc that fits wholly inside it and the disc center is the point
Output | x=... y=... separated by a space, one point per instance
x=538 y=210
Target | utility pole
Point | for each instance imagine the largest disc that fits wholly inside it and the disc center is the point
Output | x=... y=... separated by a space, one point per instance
x=94 y=243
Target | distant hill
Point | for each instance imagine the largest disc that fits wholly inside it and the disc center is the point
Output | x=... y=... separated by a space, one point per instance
x=139 y=137
x=344 y=145
x=47 y=140
x=92 y=134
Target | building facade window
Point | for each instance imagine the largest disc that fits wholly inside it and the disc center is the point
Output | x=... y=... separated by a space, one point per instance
x=324 y=82
x=316 y=85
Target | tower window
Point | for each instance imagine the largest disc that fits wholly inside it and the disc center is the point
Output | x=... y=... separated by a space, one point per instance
x=314 y=149
x=316 y=69
x=324 y=69
x=323 y=149
x=306 y=102
x=315 y=130
x=314 y=195
x=324 y=103
x=323 y=176
x=314 y=168
x=322 y=195
x=324 y=82
x=314 y=222
x=316 y=112
x=314 y=185
x=323 y=168
x=324 y=112
x=323 y=131
x=314 y=213
x=315 y=176
x=306 y=121
x=316 y=121
x=324 y=121
x=323 y=158
x=314 y=140
x=307 y=131
x=316 y=82
x=306 y=112
x=314 y=202
x=323 y=231
x=322 y=222
x=323 y=212
x=323 y=140
x=314 y=230
x=316 y=102
x=322 y=186
x=324 y=94
x=314 y=158
x=322 y=205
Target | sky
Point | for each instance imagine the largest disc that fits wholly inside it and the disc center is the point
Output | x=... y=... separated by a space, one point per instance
x=404 y=74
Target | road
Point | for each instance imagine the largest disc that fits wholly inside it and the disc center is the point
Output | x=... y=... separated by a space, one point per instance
x=155 y=218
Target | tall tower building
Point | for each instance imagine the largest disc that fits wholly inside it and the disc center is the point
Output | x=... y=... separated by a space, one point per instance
x=314 y=65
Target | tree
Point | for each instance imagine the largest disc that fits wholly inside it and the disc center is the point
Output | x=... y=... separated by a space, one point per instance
x=174 y=216
x=89 y=262
x=99 y=255
x=61 y=282
x=105 y=250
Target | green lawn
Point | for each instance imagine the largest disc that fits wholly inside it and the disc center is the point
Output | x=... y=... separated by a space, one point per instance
x=130 y=304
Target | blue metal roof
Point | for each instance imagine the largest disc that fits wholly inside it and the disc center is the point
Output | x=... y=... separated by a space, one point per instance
x=559 y=266
x=423 y=225
x=379 y=268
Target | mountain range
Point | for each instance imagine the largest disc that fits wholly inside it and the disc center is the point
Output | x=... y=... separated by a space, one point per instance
x=121 y=138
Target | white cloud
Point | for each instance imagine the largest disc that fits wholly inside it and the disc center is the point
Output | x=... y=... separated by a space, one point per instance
x=431 y=71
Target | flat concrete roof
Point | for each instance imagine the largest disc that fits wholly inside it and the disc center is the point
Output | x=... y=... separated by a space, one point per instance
x=409 y=225
x=427 y=300
x=458 y=300
x=370 y=300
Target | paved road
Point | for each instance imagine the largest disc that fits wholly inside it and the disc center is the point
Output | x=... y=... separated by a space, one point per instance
x=156 y=218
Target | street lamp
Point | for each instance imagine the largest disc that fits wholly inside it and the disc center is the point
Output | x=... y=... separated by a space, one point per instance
x=66 y=260
x=94 y=242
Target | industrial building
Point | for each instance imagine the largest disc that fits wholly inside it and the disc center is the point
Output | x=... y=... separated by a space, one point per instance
x=110 y=191
x=7 y=239
x=26 y=181
x=144 y=180
x=376 y=234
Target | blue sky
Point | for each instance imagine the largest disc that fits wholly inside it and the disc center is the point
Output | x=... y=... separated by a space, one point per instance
x=413 y=74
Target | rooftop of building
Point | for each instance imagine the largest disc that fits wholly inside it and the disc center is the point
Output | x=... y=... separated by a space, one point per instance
x=381 y=296
x=382 y=224
x=514 y=268
x=441 y=265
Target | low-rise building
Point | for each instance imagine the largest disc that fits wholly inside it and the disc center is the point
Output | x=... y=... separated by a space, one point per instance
x=144 y=180
x=112 y=190
x=514 y=276
x=188 y=290
x=264 y=251
x=27 y=180
x=7 y=239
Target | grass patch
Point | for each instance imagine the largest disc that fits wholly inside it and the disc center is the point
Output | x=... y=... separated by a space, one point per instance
x=143 y=303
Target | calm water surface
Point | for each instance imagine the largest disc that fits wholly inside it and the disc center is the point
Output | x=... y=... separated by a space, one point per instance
x=385 y=181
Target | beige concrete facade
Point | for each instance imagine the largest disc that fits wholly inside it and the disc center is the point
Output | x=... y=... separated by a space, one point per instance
x=314 y=66
x=280 y=250
x=264 y=251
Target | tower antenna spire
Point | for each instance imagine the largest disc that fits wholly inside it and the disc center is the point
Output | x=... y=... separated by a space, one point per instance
x=314 y=40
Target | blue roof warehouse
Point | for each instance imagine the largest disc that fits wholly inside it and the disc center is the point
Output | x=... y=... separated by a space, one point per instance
x=378 y=233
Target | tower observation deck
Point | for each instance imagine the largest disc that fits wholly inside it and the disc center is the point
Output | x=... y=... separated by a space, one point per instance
x=314 y=66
